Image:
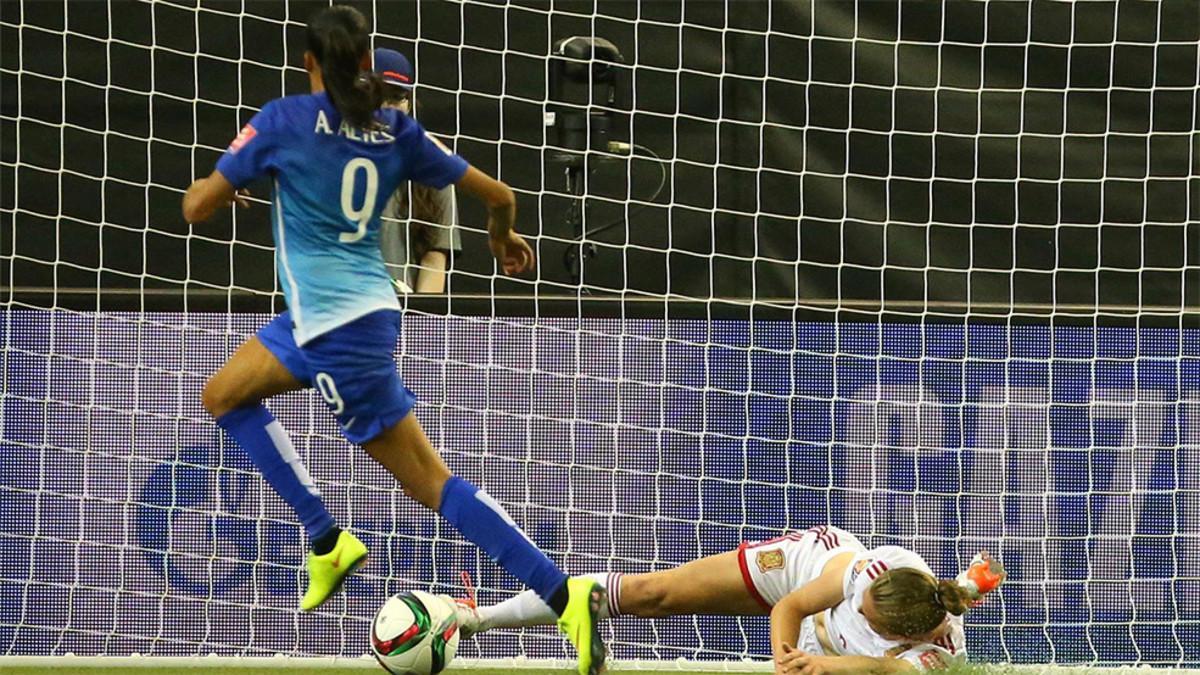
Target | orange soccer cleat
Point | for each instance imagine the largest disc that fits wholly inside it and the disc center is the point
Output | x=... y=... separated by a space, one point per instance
x=466 y=610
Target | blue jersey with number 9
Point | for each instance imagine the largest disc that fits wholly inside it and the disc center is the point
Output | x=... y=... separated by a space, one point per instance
x=331 y=182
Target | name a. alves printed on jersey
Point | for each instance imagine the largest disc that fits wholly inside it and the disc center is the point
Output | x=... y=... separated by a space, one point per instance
x=370 y=136
x=374 y=136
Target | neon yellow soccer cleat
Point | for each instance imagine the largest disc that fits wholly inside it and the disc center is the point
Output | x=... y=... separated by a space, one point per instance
x=580 y=623
x=327 y=572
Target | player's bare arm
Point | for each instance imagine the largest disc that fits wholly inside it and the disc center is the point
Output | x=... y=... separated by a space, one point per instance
x=816 y=596
x=801 y=663
x=509 y=248
x=205 y=195
x=499 y=199
x=432 y=276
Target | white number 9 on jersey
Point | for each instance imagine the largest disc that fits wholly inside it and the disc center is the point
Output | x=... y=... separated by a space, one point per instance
x=361 y=215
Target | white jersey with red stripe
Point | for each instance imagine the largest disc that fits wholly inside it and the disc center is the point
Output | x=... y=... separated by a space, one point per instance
x=849 y=632
x=776 y=567
x=773 y=568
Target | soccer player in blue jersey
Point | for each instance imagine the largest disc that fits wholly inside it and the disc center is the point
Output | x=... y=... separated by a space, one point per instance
x=335 y=158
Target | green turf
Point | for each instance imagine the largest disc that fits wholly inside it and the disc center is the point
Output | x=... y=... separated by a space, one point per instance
x=39 y=670
x=186 y=670
x=237 y=670
x=967 y=669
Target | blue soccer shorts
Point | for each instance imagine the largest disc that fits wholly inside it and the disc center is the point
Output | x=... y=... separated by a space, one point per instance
x=353 y=368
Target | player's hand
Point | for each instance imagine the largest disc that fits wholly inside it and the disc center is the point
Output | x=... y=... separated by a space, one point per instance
x=512 y=252
x=796 y=662
x=241 y=198
x=803 y=663
x=786 y=662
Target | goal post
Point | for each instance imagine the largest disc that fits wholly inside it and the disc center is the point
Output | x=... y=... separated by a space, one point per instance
x=925 y=271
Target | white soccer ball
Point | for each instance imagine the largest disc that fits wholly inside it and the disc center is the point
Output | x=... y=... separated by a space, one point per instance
x=415 y=633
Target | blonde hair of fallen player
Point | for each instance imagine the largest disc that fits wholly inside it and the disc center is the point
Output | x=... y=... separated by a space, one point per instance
x=902 y=605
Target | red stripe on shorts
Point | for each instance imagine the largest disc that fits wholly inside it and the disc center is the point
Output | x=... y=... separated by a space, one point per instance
x=746 y=578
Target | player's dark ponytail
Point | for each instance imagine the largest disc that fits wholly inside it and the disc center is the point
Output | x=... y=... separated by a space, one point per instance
x=337 y=37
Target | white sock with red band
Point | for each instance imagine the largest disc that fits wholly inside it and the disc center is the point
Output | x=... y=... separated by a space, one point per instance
x=527 y=609
x=612 y=582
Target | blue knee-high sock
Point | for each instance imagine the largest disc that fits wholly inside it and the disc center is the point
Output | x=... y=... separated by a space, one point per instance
x=268 y=445
x=479 y=518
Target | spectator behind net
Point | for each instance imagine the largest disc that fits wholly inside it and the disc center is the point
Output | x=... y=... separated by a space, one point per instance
x=419 y=236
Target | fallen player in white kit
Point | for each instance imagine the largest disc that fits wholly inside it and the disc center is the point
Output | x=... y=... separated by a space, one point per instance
x=835 y=606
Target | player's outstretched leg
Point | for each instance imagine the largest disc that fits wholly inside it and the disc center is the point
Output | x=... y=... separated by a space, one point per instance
x=710 y=585
x=527 y=609
x=407 y=453
x=588 y=603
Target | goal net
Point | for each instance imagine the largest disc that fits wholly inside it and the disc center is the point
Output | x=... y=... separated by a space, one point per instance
x=925 y=272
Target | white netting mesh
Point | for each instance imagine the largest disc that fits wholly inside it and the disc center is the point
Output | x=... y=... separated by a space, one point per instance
x=928 y=269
